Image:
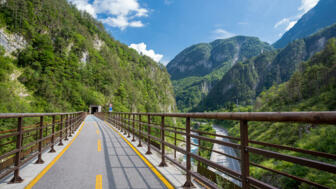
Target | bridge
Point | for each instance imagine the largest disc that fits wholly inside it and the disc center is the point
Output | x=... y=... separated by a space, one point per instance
x=145 y=150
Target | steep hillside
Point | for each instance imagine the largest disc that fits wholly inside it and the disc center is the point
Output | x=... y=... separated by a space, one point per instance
x=198 y=68
x=322 y=15
x=56 y=58
x=246 y=80
x=202 y=59
x=312 y=88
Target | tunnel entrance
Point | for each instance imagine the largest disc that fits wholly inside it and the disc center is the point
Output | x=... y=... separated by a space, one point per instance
x=94 y=109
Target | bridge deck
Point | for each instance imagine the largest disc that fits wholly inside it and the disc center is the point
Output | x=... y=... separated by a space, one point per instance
x=99 y=156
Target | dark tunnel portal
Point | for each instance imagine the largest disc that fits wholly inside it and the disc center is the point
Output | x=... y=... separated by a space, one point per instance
x=94 y=110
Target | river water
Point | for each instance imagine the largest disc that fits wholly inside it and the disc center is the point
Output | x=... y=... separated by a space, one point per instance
x=224 y=160
x=218 y=158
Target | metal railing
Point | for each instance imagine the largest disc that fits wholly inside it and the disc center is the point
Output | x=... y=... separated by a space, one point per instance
x=26 y=142
x=154 y=131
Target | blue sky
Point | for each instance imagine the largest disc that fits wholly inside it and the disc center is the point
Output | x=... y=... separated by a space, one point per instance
x=163 y=28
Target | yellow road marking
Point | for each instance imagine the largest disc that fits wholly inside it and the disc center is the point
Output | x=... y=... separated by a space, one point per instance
x=158 y=174
x=99 y=182
x=46 y=169
x=97 y=131
x=99 y=145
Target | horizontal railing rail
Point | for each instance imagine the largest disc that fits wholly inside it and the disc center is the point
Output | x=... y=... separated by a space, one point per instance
x=32 y=140
x=154 y=130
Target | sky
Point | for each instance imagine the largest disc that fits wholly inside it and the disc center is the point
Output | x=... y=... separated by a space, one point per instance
x=161 y=29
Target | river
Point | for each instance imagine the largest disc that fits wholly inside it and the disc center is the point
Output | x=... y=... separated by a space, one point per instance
x=223 y=160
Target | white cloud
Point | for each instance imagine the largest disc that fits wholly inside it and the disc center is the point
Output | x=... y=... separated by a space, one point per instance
x=288 y=23
x=84 y=6
x=121 y=22
x=222 y=34
x=281 y=22
x=141 y=48
x=117 y=13
x=306 y=5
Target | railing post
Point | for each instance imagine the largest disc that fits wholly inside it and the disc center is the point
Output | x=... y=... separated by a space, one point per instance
x=116 y=120
x=113 y=120
x=70 y=124
x=77 y=122
x=61 y=132
x=53 y=135
x=74 y=123
x=140 y=145
x=175 y=143
x=46 y=130
x=121 y=126
x=125 y=124
x=199 y=149
x=129 y=125
x=188 y=182
x=122 y=123
x=39 y=160
x=119 y=122
x=149 y=138
x=133 y=125
x=66 y=127
x=17 y=178
x=245 y=162
x=163 y=161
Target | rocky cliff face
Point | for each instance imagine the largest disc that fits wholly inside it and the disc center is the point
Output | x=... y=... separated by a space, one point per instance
x=11 y=42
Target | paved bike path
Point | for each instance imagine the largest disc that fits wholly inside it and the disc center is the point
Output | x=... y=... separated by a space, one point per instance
x=99 y=158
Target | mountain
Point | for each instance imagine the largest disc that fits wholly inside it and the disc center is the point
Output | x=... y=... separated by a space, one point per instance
x=202 y=59
x=246 y=80
x=311 y=88
x=54 y=57
x=198 y=68
x=322 y=15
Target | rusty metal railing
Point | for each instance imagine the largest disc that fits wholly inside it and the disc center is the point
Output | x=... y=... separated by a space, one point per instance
x=27 y=142
x=154 y=131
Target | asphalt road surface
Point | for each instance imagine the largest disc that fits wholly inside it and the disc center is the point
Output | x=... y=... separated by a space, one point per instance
x=99 y=158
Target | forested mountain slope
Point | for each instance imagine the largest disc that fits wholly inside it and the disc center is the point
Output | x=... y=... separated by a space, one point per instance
x=322 y=15
x=246 y=80
x=198 y=68
x=311 y=88
x=56 y=58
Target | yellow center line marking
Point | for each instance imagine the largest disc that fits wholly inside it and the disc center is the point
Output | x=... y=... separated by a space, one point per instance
x=99 y=182
x=46 y=169
x=97 y=131
x=158 y=174
x=99 y=145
